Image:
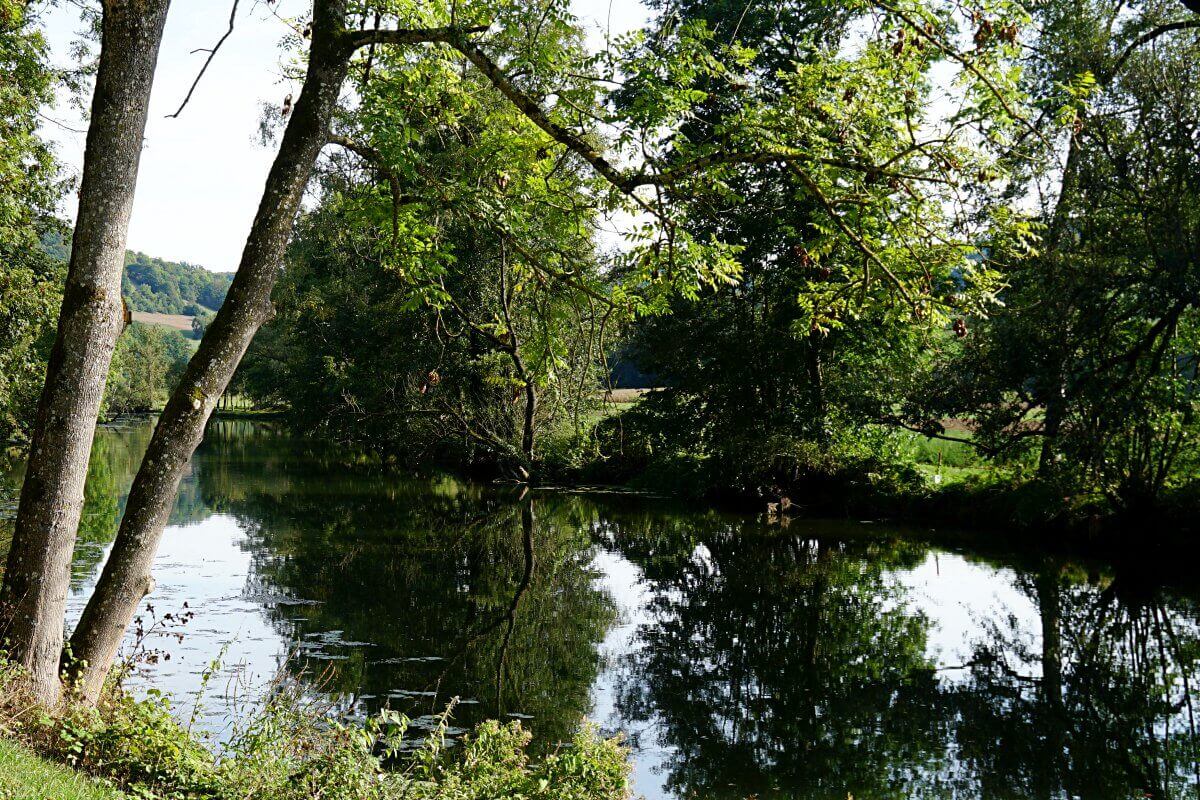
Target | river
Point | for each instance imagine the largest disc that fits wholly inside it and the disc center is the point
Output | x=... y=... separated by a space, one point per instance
x=738 y=658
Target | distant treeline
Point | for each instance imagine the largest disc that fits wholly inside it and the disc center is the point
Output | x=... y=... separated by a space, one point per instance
x=154 y=285
x=148 y=359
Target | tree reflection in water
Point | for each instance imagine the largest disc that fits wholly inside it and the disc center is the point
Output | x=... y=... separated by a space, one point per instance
x=1103 y=707
x=784 y=665
x=409 y=593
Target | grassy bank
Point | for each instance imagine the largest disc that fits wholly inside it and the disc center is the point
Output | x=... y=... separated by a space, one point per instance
x=880 y=473
x=288 y=750
x=27 y=776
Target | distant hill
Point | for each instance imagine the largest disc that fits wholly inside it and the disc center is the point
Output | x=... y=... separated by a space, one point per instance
x=167 y=287
x=160 y=287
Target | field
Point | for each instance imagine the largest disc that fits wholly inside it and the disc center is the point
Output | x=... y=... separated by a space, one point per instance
x=180 y=322
x=624 y=396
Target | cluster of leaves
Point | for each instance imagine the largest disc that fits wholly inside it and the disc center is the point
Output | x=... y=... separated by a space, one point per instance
x=30 y=295
x=29 y=186
x=804 y=169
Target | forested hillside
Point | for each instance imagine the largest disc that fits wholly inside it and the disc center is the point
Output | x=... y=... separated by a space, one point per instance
x=158 y=286
x=167 y=287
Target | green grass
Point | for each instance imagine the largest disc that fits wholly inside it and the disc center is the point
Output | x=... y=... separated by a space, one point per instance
x=949 y=474
x=25 y=776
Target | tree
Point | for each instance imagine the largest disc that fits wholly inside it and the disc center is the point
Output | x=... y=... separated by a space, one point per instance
x=29 y=283
x=1092 y=356
x=91 y=319
x=670 y=260
x=848 y=278
x=441 y=325
x=146 y=365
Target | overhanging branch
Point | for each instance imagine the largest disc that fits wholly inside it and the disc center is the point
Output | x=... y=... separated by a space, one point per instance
x=376 y=158
x=1150 y=36
x=211 y=54
x=534 y=112
x=402 y=36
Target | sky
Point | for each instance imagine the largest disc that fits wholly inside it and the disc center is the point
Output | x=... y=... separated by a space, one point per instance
x=202 y=174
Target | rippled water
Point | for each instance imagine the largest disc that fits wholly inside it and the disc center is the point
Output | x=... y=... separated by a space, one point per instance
x=814 y=660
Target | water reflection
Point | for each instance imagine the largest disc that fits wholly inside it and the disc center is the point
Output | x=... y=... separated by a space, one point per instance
x=815 y=661
x=1099 y=705
x=781 y=663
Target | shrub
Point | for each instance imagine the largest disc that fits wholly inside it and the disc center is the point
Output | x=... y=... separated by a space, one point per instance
x=290 y=751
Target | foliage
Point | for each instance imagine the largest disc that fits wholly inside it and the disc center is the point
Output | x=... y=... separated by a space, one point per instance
x=851 y=272
x=444 y=301
x=1090 y=363
x=30 y=295
x=135 y=743
x=29 y=185
x=289 y=752
x=145 y=368
x=167 y=287
x=29 y=190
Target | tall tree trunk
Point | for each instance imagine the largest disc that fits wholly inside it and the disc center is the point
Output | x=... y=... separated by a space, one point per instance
x=1056 y=402
x=126 y=576
x=816 y=385
x=38 y=571
x=1051 y=426
x=528 y=430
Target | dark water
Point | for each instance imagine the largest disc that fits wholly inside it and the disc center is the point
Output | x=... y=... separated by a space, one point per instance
x=814 y=661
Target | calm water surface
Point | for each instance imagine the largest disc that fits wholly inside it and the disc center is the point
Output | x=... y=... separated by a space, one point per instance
x=814 y=660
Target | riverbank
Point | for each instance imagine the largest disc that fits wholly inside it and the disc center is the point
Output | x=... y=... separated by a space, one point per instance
x=997 y=511
x=946 y=488
x=287 y=751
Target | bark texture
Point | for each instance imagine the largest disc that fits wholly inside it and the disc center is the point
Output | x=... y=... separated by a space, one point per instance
x=37 y=575
x=126 y=576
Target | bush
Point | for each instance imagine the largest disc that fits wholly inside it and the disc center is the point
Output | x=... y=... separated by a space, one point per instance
x=656 y=445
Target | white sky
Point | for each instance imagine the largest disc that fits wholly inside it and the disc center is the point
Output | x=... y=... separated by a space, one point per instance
x=202 y=174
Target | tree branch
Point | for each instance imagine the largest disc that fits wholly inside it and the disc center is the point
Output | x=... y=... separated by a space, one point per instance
x=1150 y=36
x=689 y=168
x=448 y=34
x=965 y=62
x=857 y=240
x=375 y=157
x=533 y=111
x=900 y=423
x=211 y=55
